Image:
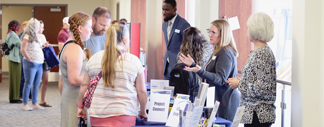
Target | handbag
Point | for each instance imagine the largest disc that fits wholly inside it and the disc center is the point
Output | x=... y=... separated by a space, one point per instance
x=50 y=56
x=45 y=66
x=87 y=98
x=82 y=123
x=5 y=48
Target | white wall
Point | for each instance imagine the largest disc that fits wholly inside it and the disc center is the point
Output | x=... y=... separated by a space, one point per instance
x=154 y=42
x=125 y=9
x=307 y=64
x=201 y=13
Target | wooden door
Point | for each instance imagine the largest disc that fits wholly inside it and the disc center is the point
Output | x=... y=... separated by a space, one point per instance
x=52 y=25
x=242 y=9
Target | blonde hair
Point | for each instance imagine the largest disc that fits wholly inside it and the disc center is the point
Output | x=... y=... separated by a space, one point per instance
x=30 y=30
x=24 y=23
x=114 y=36
x=75 y=21
x=225 y=35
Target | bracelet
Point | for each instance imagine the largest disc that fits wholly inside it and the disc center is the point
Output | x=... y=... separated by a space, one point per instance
x=193 y=64
x=80 y=106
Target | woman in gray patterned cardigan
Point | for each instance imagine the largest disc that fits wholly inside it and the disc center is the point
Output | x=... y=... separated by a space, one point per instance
x=258 y=83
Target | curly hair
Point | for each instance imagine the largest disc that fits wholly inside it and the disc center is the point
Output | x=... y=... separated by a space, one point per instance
x=31 y=30
x=75 y=21
x=192 y=44
x=115 y=33
x=13 y=25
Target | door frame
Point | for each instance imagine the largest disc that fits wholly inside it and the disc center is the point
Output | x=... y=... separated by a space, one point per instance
x=32 y=5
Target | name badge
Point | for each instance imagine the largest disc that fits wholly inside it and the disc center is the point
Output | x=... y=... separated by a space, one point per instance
x=214 y=57
x=177 y=31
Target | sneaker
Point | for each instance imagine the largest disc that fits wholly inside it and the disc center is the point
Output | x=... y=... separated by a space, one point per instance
x=37 y=107
x=15 y=101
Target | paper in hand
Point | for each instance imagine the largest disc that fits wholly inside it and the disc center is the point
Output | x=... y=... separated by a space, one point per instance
x=234 y=23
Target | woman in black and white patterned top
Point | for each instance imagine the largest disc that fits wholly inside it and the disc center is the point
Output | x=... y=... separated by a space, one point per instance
x=258 y=83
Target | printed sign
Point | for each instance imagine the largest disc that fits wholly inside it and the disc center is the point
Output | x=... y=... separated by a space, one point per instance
x=159 y=105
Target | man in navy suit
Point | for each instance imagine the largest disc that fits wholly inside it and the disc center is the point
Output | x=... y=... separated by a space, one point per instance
x=173 y=27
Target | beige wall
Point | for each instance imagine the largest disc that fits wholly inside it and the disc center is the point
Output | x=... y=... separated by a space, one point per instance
x=112 y=6
x=125 y=9
x=86 y=6
x=21 y=14
x=8 y=14
x=308 y=60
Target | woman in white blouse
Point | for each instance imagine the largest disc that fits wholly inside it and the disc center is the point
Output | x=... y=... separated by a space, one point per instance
x=42 y=39
x=31 y=49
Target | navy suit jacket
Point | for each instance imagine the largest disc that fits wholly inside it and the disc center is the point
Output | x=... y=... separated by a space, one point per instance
x=173 y=45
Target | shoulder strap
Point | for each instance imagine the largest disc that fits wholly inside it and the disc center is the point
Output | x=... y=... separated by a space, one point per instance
x=100 y=75
x=7 y=43
x=64 y=47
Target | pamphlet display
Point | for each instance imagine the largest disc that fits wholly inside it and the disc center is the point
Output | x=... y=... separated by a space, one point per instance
x=180 y=103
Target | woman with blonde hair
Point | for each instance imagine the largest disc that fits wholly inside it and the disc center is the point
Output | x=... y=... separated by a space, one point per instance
x=73 y=59
x=46 y=68
x=31 y=49
x=220 y=67
x=116 y=97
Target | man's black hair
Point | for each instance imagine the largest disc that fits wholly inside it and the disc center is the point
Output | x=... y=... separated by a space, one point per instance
x=172 y=2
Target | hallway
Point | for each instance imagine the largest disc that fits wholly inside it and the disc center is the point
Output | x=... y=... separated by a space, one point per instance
x=12 y=115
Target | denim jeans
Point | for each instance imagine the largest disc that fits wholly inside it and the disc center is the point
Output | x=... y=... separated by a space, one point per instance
x=33 y=74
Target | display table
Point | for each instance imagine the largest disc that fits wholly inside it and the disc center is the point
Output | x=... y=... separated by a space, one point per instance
x=144 y=123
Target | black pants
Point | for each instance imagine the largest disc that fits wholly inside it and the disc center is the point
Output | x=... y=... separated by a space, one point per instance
x=256 y=123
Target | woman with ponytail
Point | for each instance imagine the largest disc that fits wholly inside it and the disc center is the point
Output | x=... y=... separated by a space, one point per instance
x=121 y=87
x=14 y=59
x=73 y=59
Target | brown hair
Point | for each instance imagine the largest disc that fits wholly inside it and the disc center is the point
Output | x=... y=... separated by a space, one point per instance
x=192 y=44
x=101 y=11
x=114 y=36
x=75 y=21
x=225 y=35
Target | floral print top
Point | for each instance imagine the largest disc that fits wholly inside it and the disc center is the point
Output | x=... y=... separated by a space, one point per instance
x=258 y=86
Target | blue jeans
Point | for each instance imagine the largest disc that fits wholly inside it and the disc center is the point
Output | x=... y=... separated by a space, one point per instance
x=33 y=74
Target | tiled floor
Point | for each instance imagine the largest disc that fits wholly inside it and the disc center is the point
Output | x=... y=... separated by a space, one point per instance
x=12 y=115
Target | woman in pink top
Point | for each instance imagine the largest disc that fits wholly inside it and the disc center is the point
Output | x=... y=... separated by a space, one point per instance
x=121 y=88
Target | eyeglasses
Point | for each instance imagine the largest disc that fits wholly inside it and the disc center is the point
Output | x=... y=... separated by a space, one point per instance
x=210 y=31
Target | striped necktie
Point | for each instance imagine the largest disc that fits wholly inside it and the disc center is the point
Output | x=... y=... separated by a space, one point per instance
x=169 y=29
